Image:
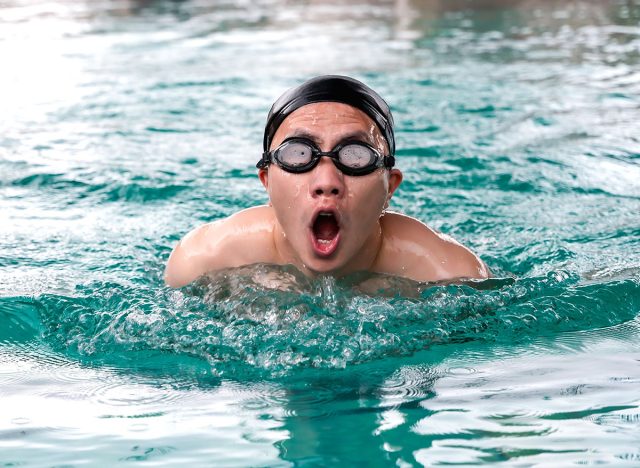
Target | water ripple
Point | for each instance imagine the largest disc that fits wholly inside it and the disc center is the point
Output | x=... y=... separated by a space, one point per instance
x=127 y=394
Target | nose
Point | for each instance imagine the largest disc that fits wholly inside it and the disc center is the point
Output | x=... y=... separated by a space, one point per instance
x=327 y=180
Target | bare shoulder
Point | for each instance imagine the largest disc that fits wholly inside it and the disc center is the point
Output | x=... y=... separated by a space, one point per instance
x=245 y=237
x=412 y=249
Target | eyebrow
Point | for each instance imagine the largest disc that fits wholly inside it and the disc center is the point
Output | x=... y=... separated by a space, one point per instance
x=304 y=134
x=358 y=135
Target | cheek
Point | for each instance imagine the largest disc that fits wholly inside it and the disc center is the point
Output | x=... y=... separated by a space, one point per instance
x=283 y=186
x=373 y=186
x=369 y=195
x=285 y=191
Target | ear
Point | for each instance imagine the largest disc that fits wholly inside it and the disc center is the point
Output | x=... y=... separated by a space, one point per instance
x=395 y=177
x=263 y=175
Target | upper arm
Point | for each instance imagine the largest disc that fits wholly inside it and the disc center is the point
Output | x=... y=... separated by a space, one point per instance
x=191 y=256
x=221 y=244
x=416 y=251
x=460 y=262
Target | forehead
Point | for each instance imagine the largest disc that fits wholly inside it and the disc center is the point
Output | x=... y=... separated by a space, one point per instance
x=327 y=119
x=329 y=112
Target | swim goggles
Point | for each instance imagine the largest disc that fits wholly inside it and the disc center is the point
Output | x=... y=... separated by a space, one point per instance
x=352 y=157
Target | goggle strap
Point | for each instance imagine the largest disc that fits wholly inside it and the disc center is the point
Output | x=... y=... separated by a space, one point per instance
x=264 y=161
x=389 y=161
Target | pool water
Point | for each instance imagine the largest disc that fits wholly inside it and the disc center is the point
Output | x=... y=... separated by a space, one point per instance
x=125 y=124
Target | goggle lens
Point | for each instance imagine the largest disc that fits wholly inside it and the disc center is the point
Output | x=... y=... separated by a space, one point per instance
x=294 y=154
x=356 y=156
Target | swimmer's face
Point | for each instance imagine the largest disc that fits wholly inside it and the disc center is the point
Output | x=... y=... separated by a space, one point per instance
x=329 y=222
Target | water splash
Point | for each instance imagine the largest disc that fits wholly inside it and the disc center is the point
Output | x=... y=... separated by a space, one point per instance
x=274 y=321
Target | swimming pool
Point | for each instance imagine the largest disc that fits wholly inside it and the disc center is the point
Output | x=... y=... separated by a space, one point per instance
x=126 y=124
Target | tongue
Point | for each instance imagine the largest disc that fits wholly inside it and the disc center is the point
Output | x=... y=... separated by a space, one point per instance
x=325 y=228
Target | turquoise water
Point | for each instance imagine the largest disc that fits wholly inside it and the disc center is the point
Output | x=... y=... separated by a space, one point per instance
x=126 y=124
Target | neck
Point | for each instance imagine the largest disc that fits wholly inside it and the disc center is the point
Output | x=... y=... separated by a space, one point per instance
x=365 y=259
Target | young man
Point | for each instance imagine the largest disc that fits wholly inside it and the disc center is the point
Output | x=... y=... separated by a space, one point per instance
x=328 y=169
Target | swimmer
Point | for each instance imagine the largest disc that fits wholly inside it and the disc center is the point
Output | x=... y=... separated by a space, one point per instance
x=328 y=168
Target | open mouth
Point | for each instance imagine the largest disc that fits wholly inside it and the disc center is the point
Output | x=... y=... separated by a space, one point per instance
x=326 y=233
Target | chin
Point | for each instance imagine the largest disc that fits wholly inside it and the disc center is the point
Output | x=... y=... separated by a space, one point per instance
x=319 y=266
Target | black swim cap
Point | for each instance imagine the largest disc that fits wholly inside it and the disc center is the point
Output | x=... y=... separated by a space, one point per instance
x=332 y=88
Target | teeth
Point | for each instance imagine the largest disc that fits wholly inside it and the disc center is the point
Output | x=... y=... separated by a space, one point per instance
x=323 y=241
x=325 y=214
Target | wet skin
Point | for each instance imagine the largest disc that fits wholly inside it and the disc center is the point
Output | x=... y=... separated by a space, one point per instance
x=356 y=201
x=363 y=238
